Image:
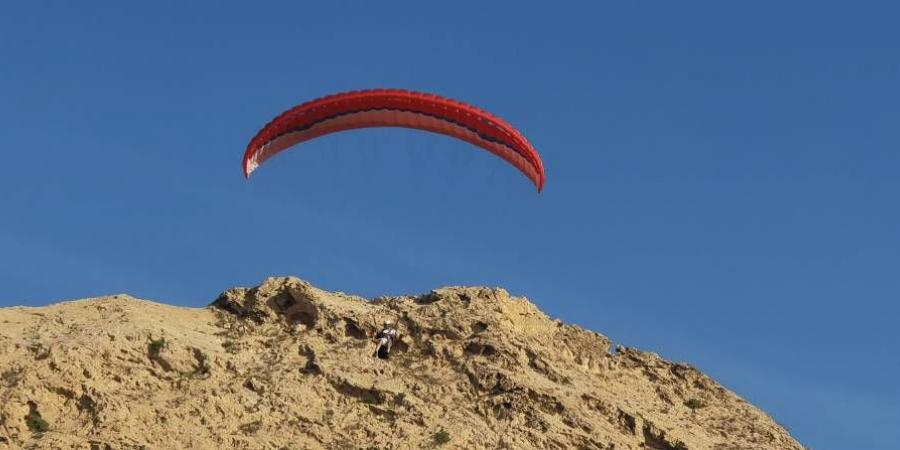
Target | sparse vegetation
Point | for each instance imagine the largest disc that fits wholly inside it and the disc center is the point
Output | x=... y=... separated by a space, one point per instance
x=202 y=368
x=230 y=346
x=40 y=352
x=155 y=347
x=87 y=404
x=34 y=421
x=370 y=398
x=251 y=428
x=441 y=437
x=694 y=404
x=11 y=377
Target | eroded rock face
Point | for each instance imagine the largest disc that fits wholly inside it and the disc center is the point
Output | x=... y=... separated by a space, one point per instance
x=287 y=365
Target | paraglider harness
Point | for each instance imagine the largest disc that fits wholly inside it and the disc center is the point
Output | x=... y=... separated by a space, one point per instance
x=385 y=339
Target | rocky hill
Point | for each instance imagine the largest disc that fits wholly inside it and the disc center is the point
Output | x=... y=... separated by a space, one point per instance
x=288 y=366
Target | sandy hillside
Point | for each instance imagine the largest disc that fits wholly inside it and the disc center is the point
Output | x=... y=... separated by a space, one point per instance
x=288 y=366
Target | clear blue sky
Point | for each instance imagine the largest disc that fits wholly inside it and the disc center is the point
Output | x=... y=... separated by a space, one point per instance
x=722 y=176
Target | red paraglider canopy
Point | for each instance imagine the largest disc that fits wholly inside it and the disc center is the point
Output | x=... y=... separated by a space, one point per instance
x=394 y=108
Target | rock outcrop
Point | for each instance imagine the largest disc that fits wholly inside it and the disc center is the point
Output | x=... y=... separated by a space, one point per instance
x=288 y=366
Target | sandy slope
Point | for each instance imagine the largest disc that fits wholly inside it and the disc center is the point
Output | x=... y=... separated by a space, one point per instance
x=286 y=365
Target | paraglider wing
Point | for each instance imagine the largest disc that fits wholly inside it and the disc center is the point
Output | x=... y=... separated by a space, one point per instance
x=394 y=108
